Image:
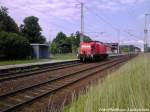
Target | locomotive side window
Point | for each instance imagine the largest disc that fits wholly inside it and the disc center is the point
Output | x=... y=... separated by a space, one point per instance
x=85 y=46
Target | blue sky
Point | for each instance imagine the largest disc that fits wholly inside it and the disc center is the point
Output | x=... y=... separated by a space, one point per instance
x=103 y=18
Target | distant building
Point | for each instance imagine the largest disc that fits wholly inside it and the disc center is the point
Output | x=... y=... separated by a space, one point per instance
x=148 y=49
x=137 y=49
x=114 y=47
x=40 y=51
x=129 y=48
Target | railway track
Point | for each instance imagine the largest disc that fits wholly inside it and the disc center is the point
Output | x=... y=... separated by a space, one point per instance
x=6 y=76
x=34 y=67
x=21 y=74
x=29 y=68
x=15 y=99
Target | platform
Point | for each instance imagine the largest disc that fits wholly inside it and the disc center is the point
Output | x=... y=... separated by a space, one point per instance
x=5 y=67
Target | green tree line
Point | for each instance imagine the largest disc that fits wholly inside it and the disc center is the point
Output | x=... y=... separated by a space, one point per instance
x=64 y=44
x=15 y=41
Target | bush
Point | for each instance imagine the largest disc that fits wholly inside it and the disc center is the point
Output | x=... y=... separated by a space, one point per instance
x=14 y=46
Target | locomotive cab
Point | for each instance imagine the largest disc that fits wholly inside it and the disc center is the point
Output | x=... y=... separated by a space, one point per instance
x=86 y=51
x=90 y=51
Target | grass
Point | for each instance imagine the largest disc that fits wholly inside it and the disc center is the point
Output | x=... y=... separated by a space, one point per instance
x=64 y=56
x=55 y=57
x=127 y=88
x=12 y=62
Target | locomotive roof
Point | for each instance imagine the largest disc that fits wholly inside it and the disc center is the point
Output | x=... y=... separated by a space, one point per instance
x=93 y=41
x=106 y=44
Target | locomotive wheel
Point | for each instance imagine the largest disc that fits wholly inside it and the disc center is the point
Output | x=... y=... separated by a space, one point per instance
x=84 y=59
x=81 y=59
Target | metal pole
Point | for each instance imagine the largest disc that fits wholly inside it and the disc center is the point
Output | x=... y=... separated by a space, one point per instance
x=145 y=33
x=118 y=33
x=82 y=23
x=50 y=42
x=50 y=36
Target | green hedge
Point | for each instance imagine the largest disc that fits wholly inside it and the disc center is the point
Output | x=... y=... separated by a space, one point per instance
x=14 y=46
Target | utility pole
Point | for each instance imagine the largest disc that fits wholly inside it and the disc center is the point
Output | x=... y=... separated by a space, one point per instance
x=49 y=36
x=145 y=33
x=118 y=35
x=49 y=43
x=82 y=22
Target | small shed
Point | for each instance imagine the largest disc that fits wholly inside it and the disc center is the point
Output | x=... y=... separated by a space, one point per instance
x=40 y=51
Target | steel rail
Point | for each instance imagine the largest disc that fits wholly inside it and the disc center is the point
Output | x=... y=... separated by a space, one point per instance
x=53 y=79
x=35 y=72
x=24 y=68
x=21 y=74
x=69 y=75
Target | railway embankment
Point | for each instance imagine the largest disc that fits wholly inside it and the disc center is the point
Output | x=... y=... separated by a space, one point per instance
x=127 y=89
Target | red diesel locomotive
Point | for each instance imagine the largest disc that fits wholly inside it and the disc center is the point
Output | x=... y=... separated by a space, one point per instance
x=93 y=51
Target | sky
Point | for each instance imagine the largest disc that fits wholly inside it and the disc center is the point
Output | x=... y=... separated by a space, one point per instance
x=104 y=20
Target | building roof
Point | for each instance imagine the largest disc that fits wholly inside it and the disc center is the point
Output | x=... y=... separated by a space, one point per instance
x=113 y=45
x=37 y=44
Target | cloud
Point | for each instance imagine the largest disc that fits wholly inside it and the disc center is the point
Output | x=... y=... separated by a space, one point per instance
x=64 y=9
x=113 y=5
x=141 y=17
x=51 y=13
x=53 y=8
x=56 y=13
x=138 y=43
x=133 y=41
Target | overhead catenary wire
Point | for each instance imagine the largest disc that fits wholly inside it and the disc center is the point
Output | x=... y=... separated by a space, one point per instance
x=115 y=28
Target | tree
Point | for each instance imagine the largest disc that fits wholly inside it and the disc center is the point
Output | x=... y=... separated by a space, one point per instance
x=7 y=24
x=53 y=48
x=74 y=43
x=32 y=30
x=61 y=44
x=14 y=46
x=64 y=44
x=60 y=38
x=85 y=38
x=77 y=36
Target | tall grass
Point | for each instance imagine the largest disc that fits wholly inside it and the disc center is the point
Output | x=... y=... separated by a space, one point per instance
x=127 y=88
x=66 y=56
x=12 y=62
